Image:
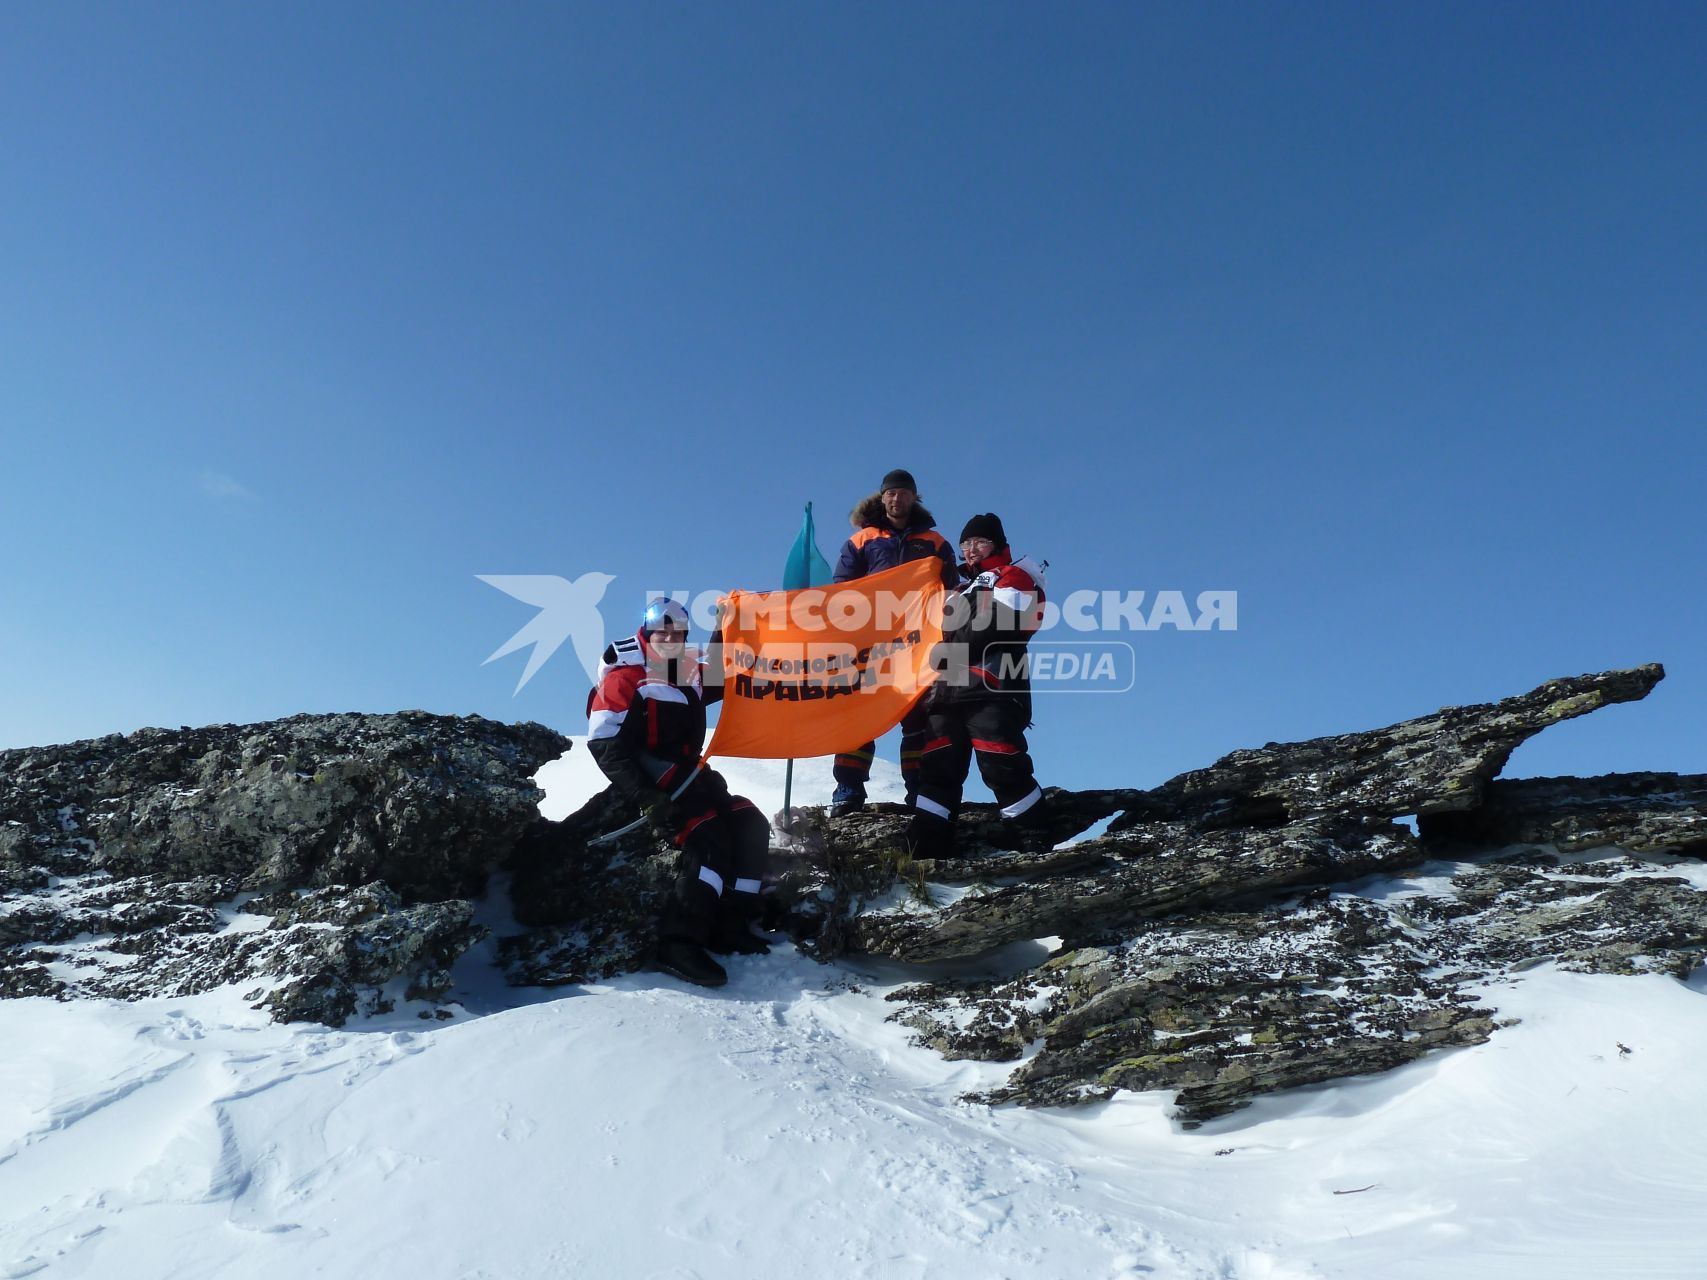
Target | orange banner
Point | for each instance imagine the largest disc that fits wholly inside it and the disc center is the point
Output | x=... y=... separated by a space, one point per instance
x=826 y=669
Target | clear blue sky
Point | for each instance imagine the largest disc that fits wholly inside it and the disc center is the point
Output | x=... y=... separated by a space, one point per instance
x=1389 y=318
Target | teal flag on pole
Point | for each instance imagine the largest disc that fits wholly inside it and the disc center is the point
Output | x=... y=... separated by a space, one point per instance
x=806 y=564
x=806 y=568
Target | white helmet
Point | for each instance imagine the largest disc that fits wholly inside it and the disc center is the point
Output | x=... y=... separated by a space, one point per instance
x=663 y=612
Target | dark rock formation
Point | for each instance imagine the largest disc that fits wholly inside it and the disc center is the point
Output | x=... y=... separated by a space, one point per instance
x=595 y=908
x=1177 y=969
x=1432 y=764
x=1257 y=924
x=1641 y=812
x=1142 y=873
x=426 y=803
x=1254 y=822
x=1222 y=1006
x=147 y=847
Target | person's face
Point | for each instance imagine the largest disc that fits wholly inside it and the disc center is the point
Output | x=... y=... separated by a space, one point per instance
x=973 y=550
x=898 y=505
x=667 y=641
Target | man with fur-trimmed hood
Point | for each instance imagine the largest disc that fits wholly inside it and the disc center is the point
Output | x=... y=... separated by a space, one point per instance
x=891 y=527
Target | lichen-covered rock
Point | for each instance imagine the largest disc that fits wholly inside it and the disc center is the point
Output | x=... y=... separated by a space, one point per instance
x=320 y=954
x=595 y=908
x=325 y=862
x=1222 y=1006
x=426 y=803
x=1616 y=914
x=1641 y=812
x=1432 y=764
x=130 y=865
x=1103 y=887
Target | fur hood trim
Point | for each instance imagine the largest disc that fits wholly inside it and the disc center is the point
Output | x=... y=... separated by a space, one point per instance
x=869 y=511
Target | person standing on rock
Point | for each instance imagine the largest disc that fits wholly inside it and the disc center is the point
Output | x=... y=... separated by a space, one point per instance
x=982 y=707
x=646 y=730
x=891 y=527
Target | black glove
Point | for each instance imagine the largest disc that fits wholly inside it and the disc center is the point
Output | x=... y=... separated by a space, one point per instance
x=655 y=808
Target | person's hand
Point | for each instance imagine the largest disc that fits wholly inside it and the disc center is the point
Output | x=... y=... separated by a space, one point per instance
x=655 y=808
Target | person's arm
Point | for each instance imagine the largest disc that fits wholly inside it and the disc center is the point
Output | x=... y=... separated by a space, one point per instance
x=1001 y=612
x=615 y=729
x=950 y=565
x=607 y=717
x=1017 y=598
x=850 y=564
x=711 y=669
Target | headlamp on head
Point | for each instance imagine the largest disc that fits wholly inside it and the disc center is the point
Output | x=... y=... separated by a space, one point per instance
x=662 y=613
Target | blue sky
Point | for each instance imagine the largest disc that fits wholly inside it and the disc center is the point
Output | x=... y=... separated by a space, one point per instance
x=1389 y=319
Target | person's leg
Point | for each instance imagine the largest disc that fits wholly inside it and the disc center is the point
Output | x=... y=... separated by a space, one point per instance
x=944 y=758
x=996 y=728
x=707 y=868
x=852 y=771
x=749 y=838
x=915 y=732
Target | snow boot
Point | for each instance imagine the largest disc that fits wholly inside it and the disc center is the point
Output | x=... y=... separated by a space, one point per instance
x=1032 y=828
x=732 y=936
x=686 y=959
x=846 y=799
x=929 y=836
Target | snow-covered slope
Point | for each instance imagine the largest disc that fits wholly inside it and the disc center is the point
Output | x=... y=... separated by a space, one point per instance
x=780 y=1127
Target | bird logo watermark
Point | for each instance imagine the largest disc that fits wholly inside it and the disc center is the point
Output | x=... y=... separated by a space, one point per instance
x=569 y=611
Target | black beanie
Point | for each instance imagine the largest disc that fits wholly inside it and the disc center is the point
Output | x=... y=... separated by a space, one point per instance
x=898 y=479
x=988 y=525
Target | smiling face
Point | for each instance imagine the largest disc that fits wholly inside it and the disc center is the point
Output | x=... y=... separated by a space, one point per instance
x=667 y=640
x=973 y=550
x=898 y=506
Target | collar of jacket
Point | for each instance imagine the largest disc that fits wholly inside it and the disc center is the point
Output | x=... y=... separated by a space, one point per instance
x=998 y=559
x=870 y=514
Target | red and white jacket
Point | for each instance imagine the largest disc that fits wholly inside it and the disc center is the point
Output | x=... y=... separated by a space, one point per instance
x=646 y=715
x=1002 y=609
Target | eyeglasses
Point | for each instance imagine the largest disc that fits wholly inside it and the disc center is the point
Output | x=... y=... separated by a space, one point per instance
x=977 y=544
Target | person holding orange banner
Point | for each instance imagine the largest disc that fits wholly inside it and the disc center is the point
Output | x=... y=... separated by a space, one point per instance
x=891 y=527
x=645 y=730
x=983 y=708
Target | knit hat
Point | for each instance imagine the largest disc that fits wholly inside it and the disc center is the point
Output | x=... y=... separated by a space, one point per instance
x=898 y=479
x=988 y=525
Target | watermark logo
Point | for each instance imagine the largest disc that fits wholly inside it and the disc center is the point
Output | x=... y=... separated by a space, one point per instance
x=1053 y=662
x=1046 y=666
x=567 y=611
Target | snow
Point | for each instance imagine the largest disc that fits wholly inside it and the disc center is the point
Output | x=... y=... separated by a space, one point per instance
x=781 y=1127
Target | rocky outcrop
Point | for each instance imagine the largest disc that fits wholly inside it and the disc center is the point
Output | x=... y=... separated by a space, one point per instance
x=349 y=845
x=1139 y=874
x=1433 y=764
x=1261 y=923
x=1178 y=961
x=1641 y=812
x=595 y=908
x=426 y=803
x=1222 y=1006
x=1253 y=823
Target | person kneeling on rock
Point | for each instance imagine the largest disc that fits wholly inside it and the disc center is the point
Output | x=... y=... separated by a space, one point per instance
x=646 y=730
x=982 y=706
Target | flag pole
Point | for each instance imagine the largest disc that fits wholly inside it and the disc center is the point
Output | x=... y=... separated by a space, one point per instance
x=795 y=576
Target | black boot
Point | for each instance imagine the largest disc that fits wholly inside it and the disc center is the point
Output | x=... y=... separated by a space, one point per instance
x=686 y=959
x=1032 y=828
x=732 y=936
x=929 y=836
